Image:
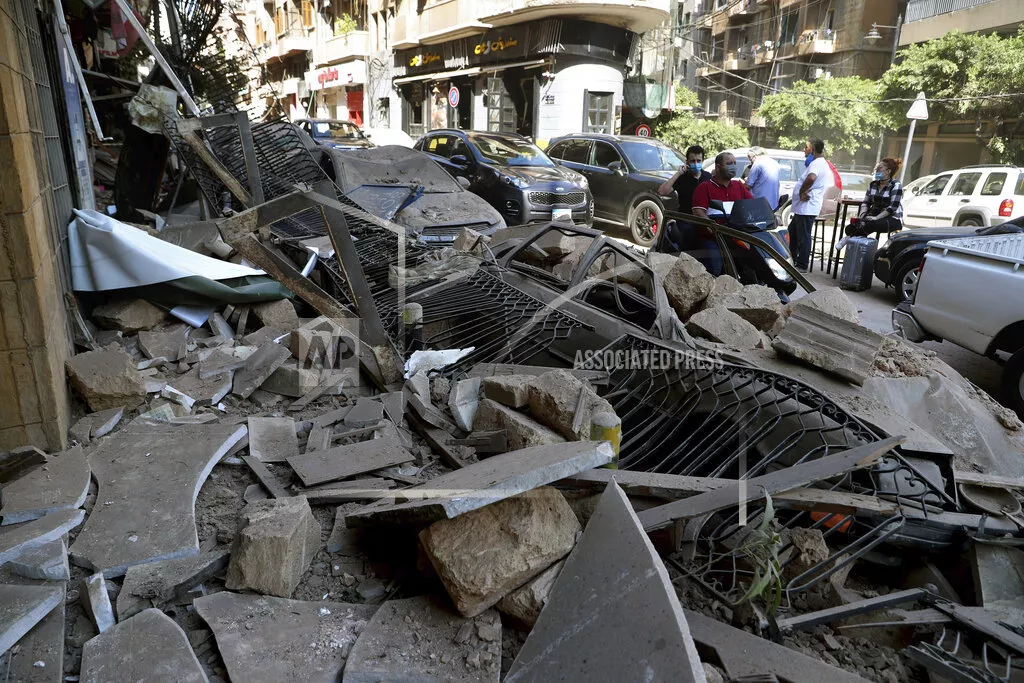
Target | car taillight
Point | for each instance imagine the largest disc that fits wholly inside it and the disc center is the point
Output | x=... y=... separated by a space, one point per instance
x=741 y=244
x=1006 y=208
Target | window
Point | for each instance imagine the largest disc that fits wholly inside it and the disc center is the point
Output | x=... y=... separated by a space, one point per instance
x=307 y=13
x=501 y=111
x=1020 y=185
x=937 y=185
x=261 y=34
x=437 y=145
x=788 y=32
x=458 y=146
x=994 y=184
x=598 y=112
x=574 y=151
x=605 y=155
x=280 y=21
x=965 y=183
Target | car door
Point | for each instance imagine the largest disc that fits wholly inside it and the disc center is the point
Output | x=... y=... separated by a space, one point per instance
x=920 y=211
x=436 y=147
x=961 y=191
x=574 y=153
x=606 y=174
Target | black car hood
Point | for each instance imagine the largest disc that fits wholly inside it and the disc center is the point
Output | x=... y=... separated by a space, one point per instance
x=347 y=144
x=539 y=174
x=928 y=234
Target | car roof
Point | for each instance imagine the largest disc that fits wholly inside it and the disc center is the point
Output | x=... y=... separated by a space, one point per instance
x=982 y=167
x=452 y=131
x=328 y=121
x=608 y=137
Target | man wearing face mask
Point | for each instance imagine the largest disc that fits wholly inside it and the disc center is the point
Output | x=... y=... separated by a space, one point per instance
x=722 y=187
x=807 y=204
x=686 y=179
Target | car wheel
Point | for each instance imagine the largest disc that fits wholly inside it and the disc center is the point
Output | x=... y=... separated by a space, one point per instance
x=787 y=213
x=645 y=221
x=1013 y=383
x=904 y=280
x=971 y=222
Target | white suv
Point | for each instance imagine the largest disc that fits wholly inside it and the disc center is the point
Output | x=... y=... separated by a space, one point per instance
x=973 y=195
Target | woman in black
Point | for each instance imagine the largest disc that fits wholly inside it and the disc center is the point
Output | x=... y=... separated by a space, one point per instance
x=882 y=209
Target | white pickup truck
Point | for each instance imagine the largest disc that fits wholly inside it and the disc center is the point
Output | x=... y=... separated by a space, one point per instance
x=971 y=292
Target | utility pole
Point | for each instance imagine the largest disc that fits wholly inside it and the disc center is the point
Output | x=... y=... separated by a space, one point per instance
x=872 y=36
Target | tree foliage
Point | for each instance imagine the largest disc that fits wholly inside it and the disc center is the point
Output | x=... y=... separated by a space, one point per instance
x=960 y=65
x=686 y=99
x=683 y=129
x=824 y=109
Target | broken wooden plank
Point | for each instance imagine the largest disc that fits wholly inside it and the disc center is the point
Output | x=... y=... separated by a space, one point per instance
x=271 y=483
x=346 y=461
x=243 y=320
x=837 y=346
x=989 y=480
x=770 y=484
x=485 y=442
x=259 y=366
x=340 y=492
x=329 y=379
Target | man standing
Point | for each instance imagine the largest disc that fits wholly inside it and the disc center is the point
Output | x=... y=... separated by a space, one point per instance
x=686 y=179
x=763 y=177
x=807 y=203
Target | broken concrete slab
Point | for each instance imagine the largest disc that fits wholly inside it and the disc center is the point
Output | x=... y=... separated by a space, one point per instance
x=463 y=401
x=719 y=324
x=205 y=392
x=272 y=439
x=508 y=390
x=613 y=613
x=96 y=601
x=148 y=648
x=276 y=541
x=18 y=540
x=484 y=482
x=830 y=300
x=555 y=401
x=349 y=460
x=258 y=368
x=447 y=647
x=365 y=413
x=350 y=491
x=158 y=583
x=267 y=478
x=278 y=314
x=128 y=315
x=39 y=654
x=106 y=379
x=149 y=477
x=687 y=284
x=19 y=462
x=316 y=349
x=96 y=425
x=484 y=554
x=22 y=607
x=521 y=430
x=61 y=484
x=837 y=346
x=724 y=284
x=757 y=304
x=295 y=382
x=47 y=562
x=526 y=602
x=297 y=640
x=169 y=343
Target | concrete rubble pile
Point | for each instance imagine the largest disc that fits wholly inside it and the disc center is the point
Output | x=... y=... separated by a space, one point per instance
x=336 y=486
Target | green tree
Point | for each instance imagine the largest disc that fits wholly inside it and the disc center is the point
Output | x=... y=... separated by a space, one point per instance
x=686 y=99
x=682 y=128
x=960 y=65
x=842 y=111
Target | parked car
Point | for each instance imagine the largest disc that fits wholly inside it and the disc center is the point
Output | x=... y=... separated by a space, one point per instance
x=334 y=133
x=624 y=172
x=389 y=136
x=912 y=188
x=855 y=185
x=971 y=293
x=512 y=174
x=898 y=261
x=973 y=196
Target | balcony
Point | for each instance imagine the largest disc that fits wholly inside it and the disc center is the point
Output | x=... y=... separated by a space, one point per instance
x=817 y=43
x=636 y=15
x=763 y=55
x=745 y=8
x=288 y=86
x=448 y=20
x=341 y=48
x=927 y=19
x=926 y=9
x=738 y=61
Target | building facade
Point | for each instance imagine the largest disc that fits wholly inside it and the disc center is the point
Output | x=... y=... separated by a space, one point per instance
x=541 y=68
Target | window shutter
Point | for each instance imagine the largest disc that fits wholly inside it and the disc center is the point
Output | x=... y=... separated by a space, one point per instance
x=586 y=110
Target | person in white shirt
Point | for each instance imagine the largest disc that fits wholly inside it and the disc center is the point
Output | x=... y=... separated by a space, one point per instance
x=807 y=203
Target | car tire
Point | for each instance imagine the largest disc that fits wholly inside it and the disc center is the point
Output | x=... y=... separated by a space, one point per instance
x=785 y=216
x=904 y=280
x=970 y=222
x=645 y=220
x=1013 y=383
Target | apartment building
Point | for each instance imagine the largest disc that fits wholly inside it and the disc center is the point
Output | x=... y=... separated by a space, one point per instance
x=745 y=49
x=538 y=67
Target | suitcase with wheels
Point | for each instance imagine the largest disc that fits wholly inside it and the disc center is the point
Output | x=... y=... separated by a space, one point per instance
x=858 y=264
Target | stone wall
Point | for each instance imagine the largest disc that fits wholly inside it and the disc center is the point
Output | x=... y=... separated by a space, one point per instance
x=33 y=327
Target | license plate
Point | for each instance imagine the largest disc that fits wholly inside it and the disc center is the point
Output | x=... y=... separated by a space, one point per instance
x=561 y=215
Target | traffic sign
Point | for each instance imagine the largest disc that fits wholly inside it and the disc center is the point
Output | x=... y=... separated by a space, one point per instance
x=643 y=130
x=453 y=97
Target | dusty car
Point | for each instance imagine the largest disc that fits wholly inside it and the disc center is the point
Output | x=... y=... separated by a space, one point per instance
x=334 y=133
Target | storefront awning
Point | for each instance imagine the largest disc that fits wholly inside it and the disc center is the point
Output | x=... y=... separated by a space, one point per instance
x=446 y=75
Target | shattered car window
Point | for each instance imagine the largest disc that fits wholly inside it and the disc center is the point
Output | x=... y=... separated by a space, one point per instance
x=652 y=156
x=506 y=152
x=339 y=130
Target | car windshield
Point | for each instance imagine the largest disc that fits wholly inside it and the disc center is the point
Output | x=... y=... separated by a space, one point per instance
x=652 y=156
x=855 y=182
x=339 y=130
x=508 y=151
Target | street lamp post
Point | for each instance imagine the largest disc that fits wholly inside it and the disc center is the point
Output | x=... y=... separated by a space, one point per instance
x=918 y=112
x=873 y=36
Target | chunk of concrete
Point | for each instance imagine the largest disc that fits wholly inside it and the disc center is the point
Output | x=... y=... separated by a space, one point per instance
x=205 y=392
x=149 y=477
x=61 y=484
x=30 y=536
x=272 y=439
x=509 y=390
x=526 y=602
x=22 y=607
x=259 y=367
x=521 y=430
x=445 y=647
x=148 y=648
x=19 y=462
x=613 y=613
x=157 y=583
x=485 y=482
x=349 y=460
x=278 y=314
x=837 y=346
x=290 y=380
x=169 y=343
x=276 y=541
x=314 y=348
x=128 y=315
x=47 y=562
x=270 y=640
x=470 y=240
x=757 y=304
x=365 y=413
x=687 y=284
x=106 y=379
x=96 y=601
x=554 y=398
x=463 y=401
x=660 y=263
x=39 y=655
x=484 y=554
x=719 y=324
x=95 y=425
x=830 y=300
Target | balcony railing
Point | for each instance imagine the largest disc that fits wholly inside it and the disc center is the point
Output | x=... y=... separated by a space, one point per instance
x=817 y=42
x=340 y=48
x=926 y=9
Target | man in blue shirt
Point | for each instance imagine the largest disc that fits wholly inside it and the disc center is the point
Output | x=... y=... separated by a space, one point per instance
x=763 y=180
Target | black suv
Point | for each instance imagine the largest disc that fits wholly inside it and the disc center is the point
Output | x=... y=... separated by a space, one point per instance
x=625 y=172
x=512 y=174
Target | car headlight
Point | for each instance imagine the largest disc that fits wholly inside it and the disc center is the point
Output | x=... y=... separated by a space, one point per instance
x=514 y=182
x=777 y=270
x=582 y=180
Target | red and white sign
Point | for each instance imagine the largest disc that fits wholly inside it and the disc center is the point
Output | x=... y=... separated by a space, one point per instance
x=453 y=97
x=643 y=130
x=336 y=76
